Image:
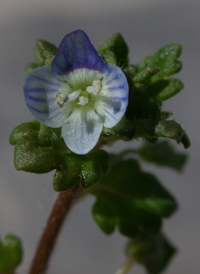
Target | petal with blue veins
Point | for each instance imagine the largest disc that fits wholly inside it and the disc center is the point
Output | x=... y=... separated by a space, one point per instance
x=82 y=130
x=112 y=100
x=75 y=52
x=40 y=90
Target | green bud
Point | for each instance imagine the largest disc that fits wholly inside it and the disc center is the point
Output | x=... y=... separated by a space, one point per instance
x=10 y=253
x=118 y=46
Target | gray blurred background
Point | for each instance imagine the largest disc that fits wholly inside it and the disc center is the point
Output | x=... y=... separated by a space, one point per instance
x=25 y=199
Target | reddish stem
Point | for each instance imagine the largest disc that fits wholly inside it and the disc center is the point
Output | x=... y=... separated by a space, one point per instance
x=54 y=223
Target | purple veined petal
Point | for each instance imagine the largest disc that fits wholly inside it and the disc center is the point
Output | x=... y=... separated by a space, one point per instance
x=40 y=90
x=112 y=100
x=82 y=130
x=76 y=51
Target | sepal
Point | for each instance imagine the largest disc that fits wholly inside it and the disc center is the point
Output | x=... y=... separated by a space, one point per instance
x=118 y=46
x=44 y=53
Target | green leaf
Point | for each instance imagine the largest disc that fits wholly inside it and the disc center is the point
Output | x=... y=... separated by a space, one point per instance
x=165 y=59
x=89 y=168
x=151 y=128
x=26 y=129
x=31 y=156
x=40 y=149
x=130 y=199
x=37 y=147
x=164 y=154
x=144 y=75
x=152 y=251
x=118 y=46
x=164 y=89
x=10 y=253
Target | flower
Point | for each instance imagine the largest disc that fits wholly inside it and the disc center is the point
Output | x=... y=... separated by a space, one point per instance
x=78 y=92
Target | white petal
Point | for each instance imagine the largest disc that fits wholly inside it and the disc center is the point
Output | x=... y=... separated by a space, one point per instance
x=112 y=100
x=82 y=130
x=41 y=88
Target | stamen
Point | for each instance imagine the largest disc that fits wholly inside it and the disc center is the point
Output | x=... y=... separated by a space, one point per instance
x=62 y=98
x=83 y=101
x=97 y=86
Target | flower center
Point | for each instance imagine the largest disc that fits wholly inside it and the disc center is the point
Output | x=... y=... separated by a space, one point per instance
x=80 y=97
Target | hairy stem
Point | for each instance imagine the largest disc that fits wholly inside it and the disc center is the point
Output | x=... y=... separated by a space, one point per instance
x=126 y=266
x=54 y=223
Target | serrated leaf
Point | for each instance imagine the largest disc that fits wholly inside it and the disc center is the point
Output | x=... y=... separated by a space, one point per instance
x=10 y=253
x=164 y=154
x=165 y=59
x=152 y=251
x=118 y=46
x=89 y=168
x=130 y=199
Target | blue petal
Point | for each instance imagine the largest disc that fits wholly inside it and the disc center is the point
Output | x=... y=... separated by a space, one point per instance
x=112 y=100
x=76 y=51
x=82 y=130
x=40 y=90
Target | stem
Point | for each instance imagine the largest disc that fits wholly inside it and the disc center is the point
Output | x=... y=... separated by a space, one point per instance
x=54 y=223
x=126 y=266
